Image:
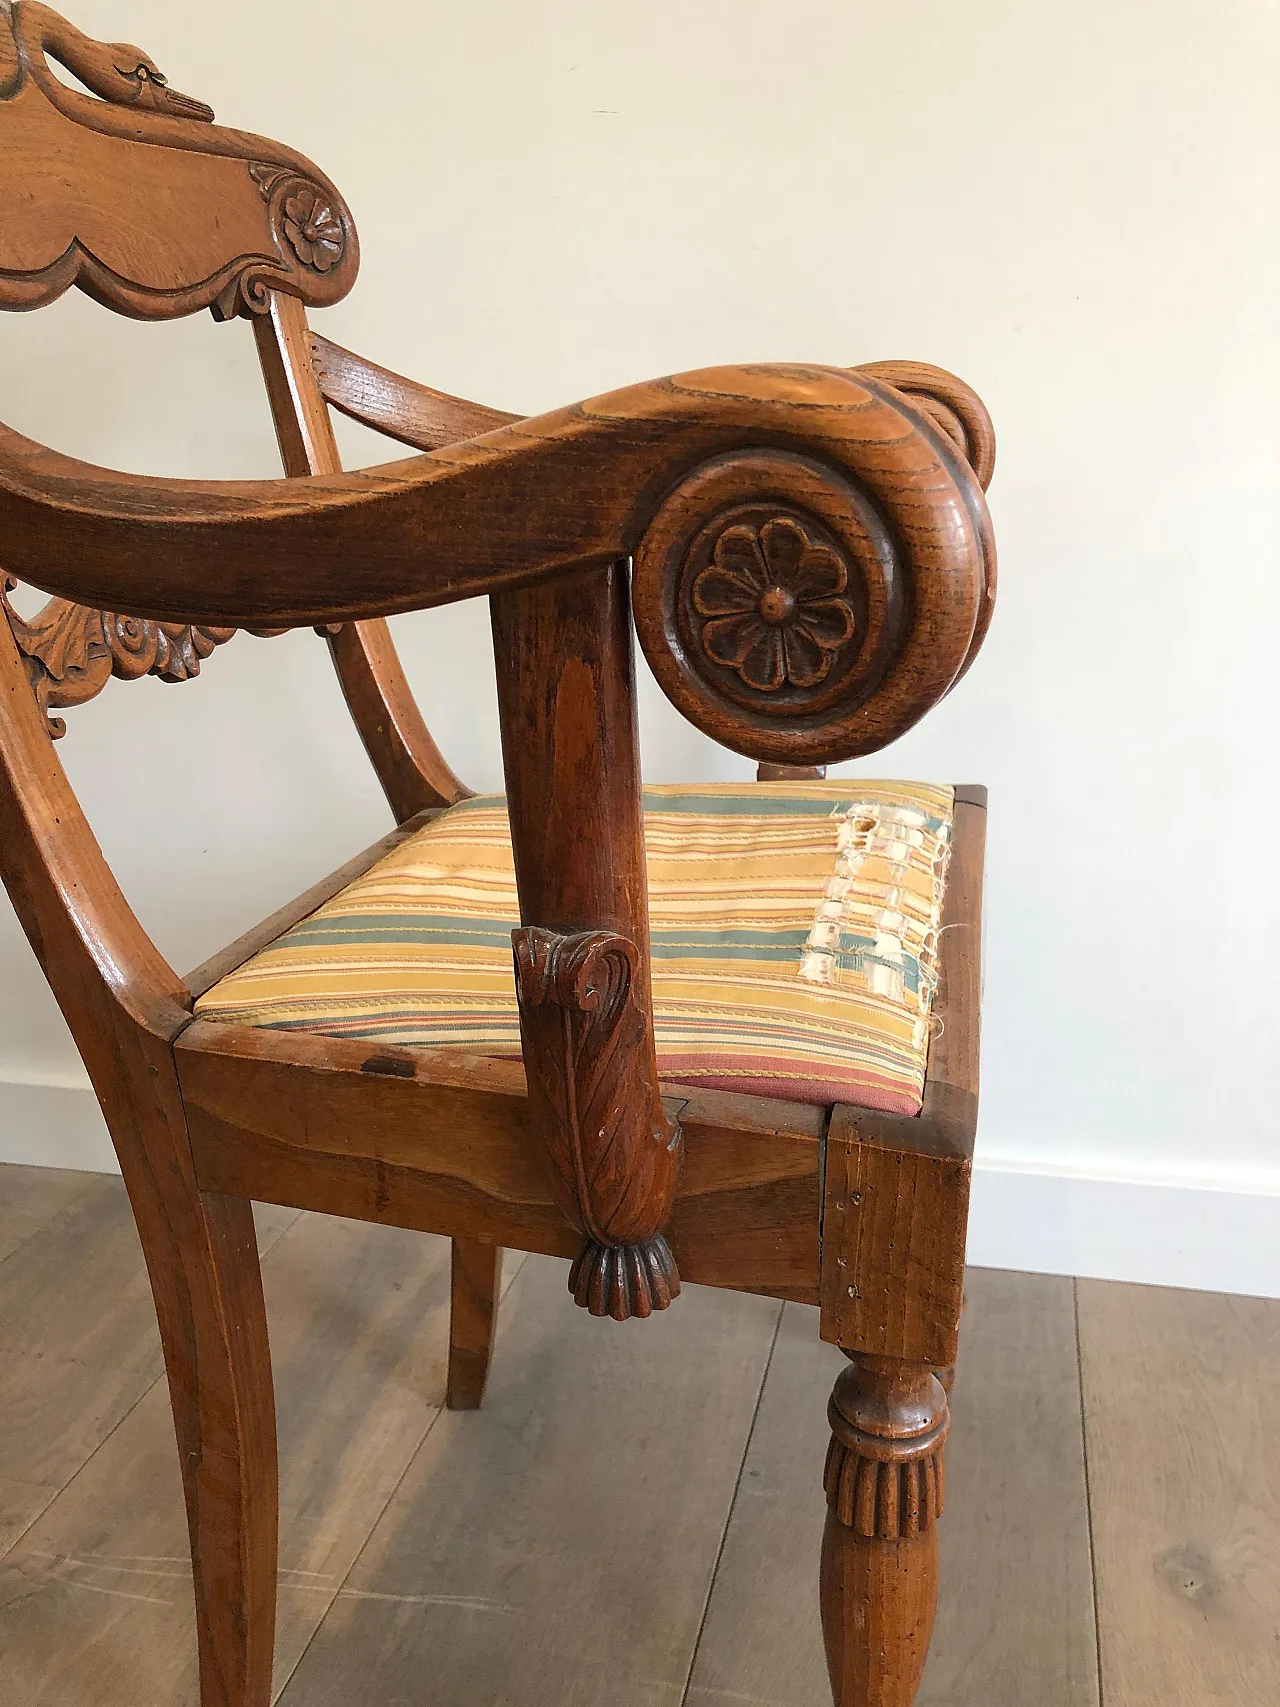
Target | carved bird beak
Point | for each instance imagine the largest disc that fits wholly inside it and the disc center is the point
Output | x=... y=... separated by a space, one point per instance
x=182 y=106
x=151 y=86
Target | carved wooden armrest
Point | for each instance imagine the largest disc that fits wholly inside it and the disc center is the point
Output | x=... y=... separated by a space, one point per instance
x=813 y=557
x=813 y=569
x=402 y=409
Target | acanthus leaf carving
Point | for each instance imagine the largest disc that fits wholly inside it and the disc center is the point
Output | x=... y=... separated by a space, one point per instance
x=71 y=652
x=612 y=1151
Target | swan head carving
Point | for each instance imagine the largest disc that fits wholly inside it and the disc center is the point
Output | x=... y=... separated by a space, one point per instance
x=117 y=72
x=134 y=79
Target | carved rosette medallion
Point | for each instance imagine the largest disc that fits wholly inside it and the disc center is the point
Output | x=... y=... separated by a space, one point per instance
x=613 y=1155
x=305 y=221
x=314 y=231
x=311 y=228
x=885 y=1477
x=776 y=604
x=768 y=585
x=72 y=652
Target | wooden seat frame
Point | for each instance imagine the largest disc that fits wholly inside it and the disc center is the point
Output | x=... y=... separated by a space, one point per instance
x=860 y=490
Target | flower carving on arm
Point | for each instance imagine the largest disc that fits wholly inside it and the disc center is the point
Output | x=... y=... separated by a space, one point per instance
x=313 y=229
x=775 y=604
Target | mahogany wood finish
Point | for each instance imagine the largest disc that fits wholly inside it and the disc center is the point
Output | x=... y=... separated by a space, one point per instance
x=409 y=765
x=475 y=1282
x=897 y=1189
x=125 y=1008
x=445 y=1143
x=790 y=773
x=415 y=415
x=566 y=696
x=896 y=1199
x=813 y=570
x=885 y=1487
x=412 y=770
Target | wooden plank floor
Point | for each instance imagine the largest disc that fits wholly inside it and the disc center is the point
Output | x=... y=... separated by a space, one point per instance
x=635 y=1514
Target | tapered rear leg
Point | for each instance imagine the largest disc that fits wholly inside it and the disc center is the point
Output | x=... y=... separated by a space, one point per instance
x=884 y=1482
x=208 y=1290
x=476 y=1279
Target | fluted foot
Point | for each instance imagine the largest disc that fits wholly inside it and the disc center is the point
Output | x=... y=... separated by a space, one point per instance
x=884 y=1486
x=625 y=1280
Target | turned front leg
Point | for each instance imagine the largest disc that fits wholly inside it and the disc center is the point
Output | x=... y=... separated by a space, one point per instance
x=884 y=1483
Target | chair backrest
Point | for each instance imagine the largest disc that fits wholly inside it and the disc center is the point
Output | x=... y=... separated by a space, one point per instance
x=134 y=195
x=131 y=193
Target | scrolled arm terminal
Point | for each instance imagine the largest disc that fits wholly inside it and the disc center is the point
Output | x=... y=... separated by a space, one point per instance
x=804 y=612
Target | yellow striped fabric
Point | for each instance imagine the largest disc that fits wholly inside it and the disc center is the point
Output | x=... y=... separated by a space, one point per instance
x=794 y=936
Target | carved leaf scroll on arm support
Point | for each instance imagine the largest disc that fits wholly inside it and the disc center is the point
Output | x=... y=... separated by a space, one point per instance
x=589 y=1055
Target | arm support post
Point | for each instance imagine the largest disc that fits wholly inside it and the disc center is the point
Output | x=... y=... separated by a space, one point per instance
x=566 y=689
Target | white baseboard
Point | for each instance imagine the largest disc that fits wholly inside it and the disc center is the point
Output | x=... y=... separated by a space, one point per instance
x=54 y=1126
x=1210 y=1238
x=1206 y=1236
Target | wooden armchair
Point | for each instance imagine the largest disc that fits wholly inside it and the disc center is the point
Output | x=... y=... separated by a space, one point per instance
x=811 y=565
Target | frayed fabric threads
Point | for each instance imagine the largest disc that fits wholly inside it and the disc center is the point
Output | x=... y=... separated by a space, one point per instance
x=877 y=922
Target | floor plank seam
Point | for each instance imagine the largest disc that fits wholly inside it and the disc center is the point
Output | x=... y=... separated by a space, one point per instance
x=277 y=1694
x=84 y=1464
x=1088 y=1495
x=44 y=1226
x=80 y=1469
x=733 y=1501
x=122 y=1420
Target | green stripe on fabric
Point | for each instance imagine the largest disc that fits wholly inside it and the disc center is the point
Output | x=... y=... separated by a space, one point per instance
x=746 y=805
x=388 y=930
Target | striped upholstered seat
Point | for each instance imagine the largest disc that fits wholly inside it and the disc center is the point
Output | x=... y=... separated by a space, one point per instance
x=794 y=934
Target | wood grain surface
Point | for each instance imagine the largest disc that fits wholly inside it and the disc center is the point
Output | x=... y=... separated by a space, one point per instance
x=78 y=1342
x=1182 y=1411
x=31 y=1197
x=565 y=660
x=896 y=1199
x=95 y=1601
x=441 y=1142
x=1015 y=1617
x=491 y=514
x=1015 y=1613
x=409 y=765
x=557 y=1546
x=133 y=193
x=415 y=415
x=473 y=1309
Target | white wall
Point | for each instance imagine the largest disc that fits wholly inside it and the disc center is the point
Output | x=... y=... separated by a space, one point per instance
x=1074 y=208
